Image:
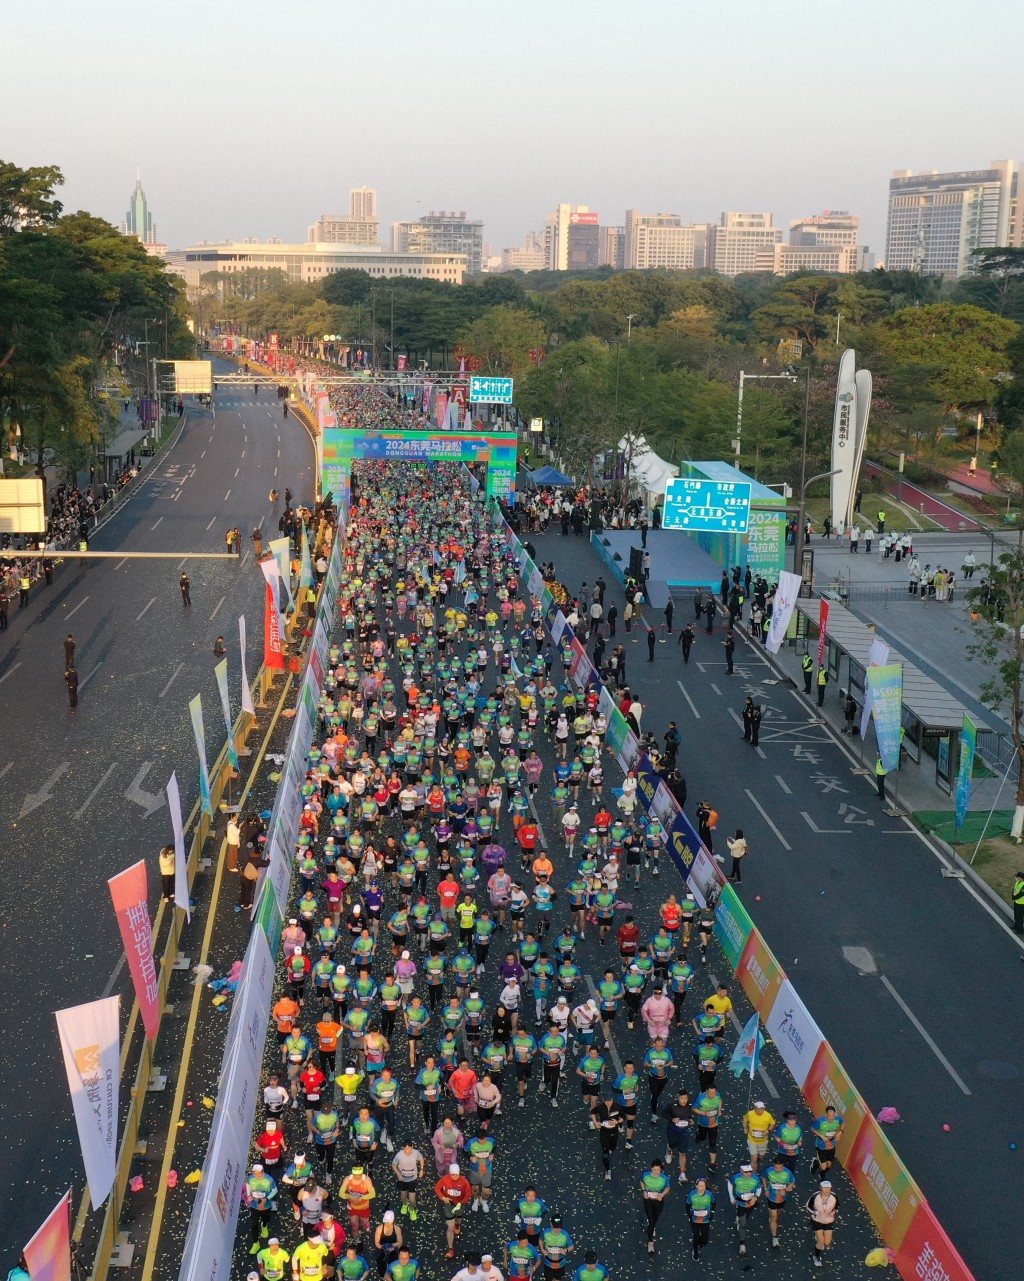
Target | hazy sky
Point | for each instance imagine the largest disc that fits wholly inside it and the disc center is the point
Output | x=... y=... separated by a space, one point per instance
x=251 y=119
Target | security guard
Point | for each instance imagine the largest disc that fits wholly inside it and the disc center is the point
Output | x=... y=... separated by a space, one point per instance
x=822 y=682
x=807 y=663
x=881 y=524
x=880 y=773
x=1018 y=903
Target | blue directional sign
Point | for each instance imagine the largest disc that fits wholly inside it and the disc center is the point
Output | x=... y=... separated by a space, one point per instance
x=490 y=391
x=720 y=506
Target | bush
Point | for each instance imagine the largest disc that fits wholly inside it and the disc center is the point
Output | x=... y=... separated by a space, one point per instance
x=926 y=476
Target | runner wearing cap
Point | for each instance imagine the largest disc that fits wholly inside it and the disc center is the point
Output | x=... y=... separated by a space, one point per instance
x=822 y=1206
x=489 y=1270
x=273 y=1261
x=309 y=1259
x=454 y=1192
x=757 y=1126
x=259 y=1193
x=388 y=1239
x=744 y=1193
x=357 y=1191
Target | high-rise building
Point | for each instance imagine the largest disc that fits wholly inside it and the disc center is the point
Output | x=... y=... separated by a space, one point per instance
x=734 y=242
x=138 y=220
x=936 y=220
x=662 y=240
x=362 y=204
x=828 y=242
x=528 y=257
x=570 y=232
x=341 y=229
x=612 y=248
x=442 y=232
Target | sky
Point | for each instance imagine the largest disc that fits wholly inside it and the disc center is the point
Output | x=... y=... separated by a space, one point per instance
x=253 y=119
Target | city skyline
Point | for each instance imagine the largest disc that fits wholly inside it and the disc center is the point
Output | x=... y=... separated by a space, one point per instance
x=702 y=119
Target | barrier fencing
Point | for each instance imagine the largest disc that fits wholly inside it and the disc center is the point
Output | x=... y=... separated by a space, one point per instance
x=904 y=1219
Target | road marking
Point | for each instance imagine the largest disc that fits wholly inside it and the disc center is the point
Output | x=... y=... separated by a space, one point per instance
x=176 y=496
x=212 y=519
x=761 y=810
x=121 y=562
x=262 y=519
x=90 y=676
x=79 y=606
x=823 y=831
x=716 y=689
x=158 y=520
x=769 y=1083
x=92 y=796
x=177 y=670
x=783 y=784
x=275 y=469
x=113 y=978
x=227 y=495
x=145 y=608
x=216 y=607
x=924 y=1034
x=203 y=454
x=237 y=470
x=8 y=674
x=736 y=717
x=182 y=562
x=682 y=690
x=8 y=766
x=243 y=453
x=760 y=751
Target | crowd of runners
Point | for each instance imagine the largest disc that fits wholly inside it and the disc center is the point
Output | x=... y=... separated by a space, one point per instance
x=469 y=991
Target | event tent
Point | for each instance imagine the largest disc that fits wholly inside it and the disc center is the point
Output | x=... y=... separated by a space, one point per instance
x=549 y=476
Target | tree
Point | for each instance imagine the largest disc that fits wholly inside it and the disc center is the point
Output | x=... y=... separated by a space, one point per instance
x=999 y=282
x=966 y=344
x=997 y=613
x=1010 y=397
x=503 y=339
x=570 y=392
x=26 y=197
x=803 y=307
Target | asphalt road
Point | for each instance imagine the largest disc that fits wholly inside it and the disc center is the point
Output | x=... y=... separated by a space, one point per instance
x=66 y=776
x=830 y=872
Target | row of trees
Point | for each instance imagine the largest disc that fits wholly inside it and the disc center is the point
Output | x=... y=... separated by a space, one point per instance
x=76 y=297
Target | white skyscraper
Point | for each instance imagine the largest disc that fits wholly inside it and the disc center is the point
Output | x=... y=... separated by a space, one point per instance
x=362 y=204
x=936 y=220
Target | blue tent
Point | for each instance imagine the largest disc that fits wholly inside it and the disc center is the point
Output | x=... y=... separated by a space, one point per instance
x=549 y=476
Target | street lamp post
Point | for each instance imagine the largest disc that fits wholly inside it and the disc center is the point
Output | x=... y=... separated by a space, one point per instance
x=739 y=404
x=629 y=324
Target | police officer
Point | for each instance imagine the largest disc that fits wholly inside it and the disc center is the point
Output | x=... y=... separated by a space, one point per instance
x=1017 y=896
x=880 y=773
x=881 y=524
x=822 y=682
x=807 y=663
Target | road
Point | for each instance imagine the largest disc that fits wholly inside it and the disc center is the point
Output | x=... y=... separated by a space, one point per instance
x=66 y=775
x=933 y=1030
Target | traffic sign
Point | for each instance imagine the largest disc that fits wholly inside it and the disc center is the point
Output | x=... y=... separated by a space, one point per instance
x=723 y=507
x=490 y=391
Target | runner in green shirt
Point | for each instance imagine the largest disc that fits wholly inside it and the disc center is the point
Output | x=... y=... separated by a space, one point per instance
x=655 y=1186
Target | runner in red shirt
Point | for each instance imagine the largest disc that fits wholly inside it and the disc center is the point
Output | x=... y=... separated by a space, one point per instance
x=449 y=892
x=462 y=1084
x=628 y=937
x=272 y=1145
x=454 y=1193
x=527 y=836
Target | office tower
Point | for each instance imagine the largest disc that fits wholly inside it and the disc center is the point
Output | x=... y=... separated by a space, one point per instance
x=734 y=242
x=612 y=248
x=827 y=242
x=138 y=220
x=362 y=204
x=442 y=232
x=570 y=232
x=341 y=229
x=663 y=240
x=936 y=220
x=527 y=257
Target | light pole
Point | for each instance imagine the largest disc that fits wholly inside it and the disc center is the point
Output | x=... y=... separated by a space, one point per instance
x=629 y=324
x=739 y=404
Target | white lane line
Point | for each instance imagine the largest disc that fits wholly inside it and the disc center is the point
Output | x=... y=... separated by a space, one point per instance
x=716 y=689
x=176 y=496
x=158 y=520
x=212 y=519
x=78 y=607
x=121 y=562
x=93 y=794
x=177 y=671
x=783 y=784
x=924 y=1034
x=769 y=1083
x=682 y=690
x=243 y=453
x=262 y=519
x=113 y=978
x=227 y=495
x=764 y=814
x=145 y=608
x=7 y=675
x=736 y=717
x=184 y=561
x=90 y=676
x=203 y=454
x=823 y=831
x=275 y=471
x=216 y=607
x=8 y=766
x=237 y=470
x=760 y=751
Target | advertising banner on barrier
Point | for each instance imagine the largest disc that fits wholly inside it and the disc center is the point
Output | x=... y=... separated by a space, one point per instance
x=182 y=898
x=732 y=925
x=683 y=843
x=211 y=1234
x=91 y=1045
x=273 y=632
x=48 y=1254
x=889 y=1194
x=796 y=1035
x=252 y=1000
x=760 y=974
x=247 y=705
x=706 y=880
x=130 y=893
x=827 y=1085
x=926 y=1252
x=267 y=915
x=220 y=671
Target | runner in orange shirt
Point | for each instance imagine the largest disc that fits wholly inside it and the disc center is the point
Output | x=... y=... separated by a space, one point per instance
x=328 y=1031
x=285 y=1012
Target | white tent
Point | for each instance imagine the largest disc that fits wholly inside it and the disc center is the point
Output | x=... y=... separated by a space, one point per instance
x=647 y=471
